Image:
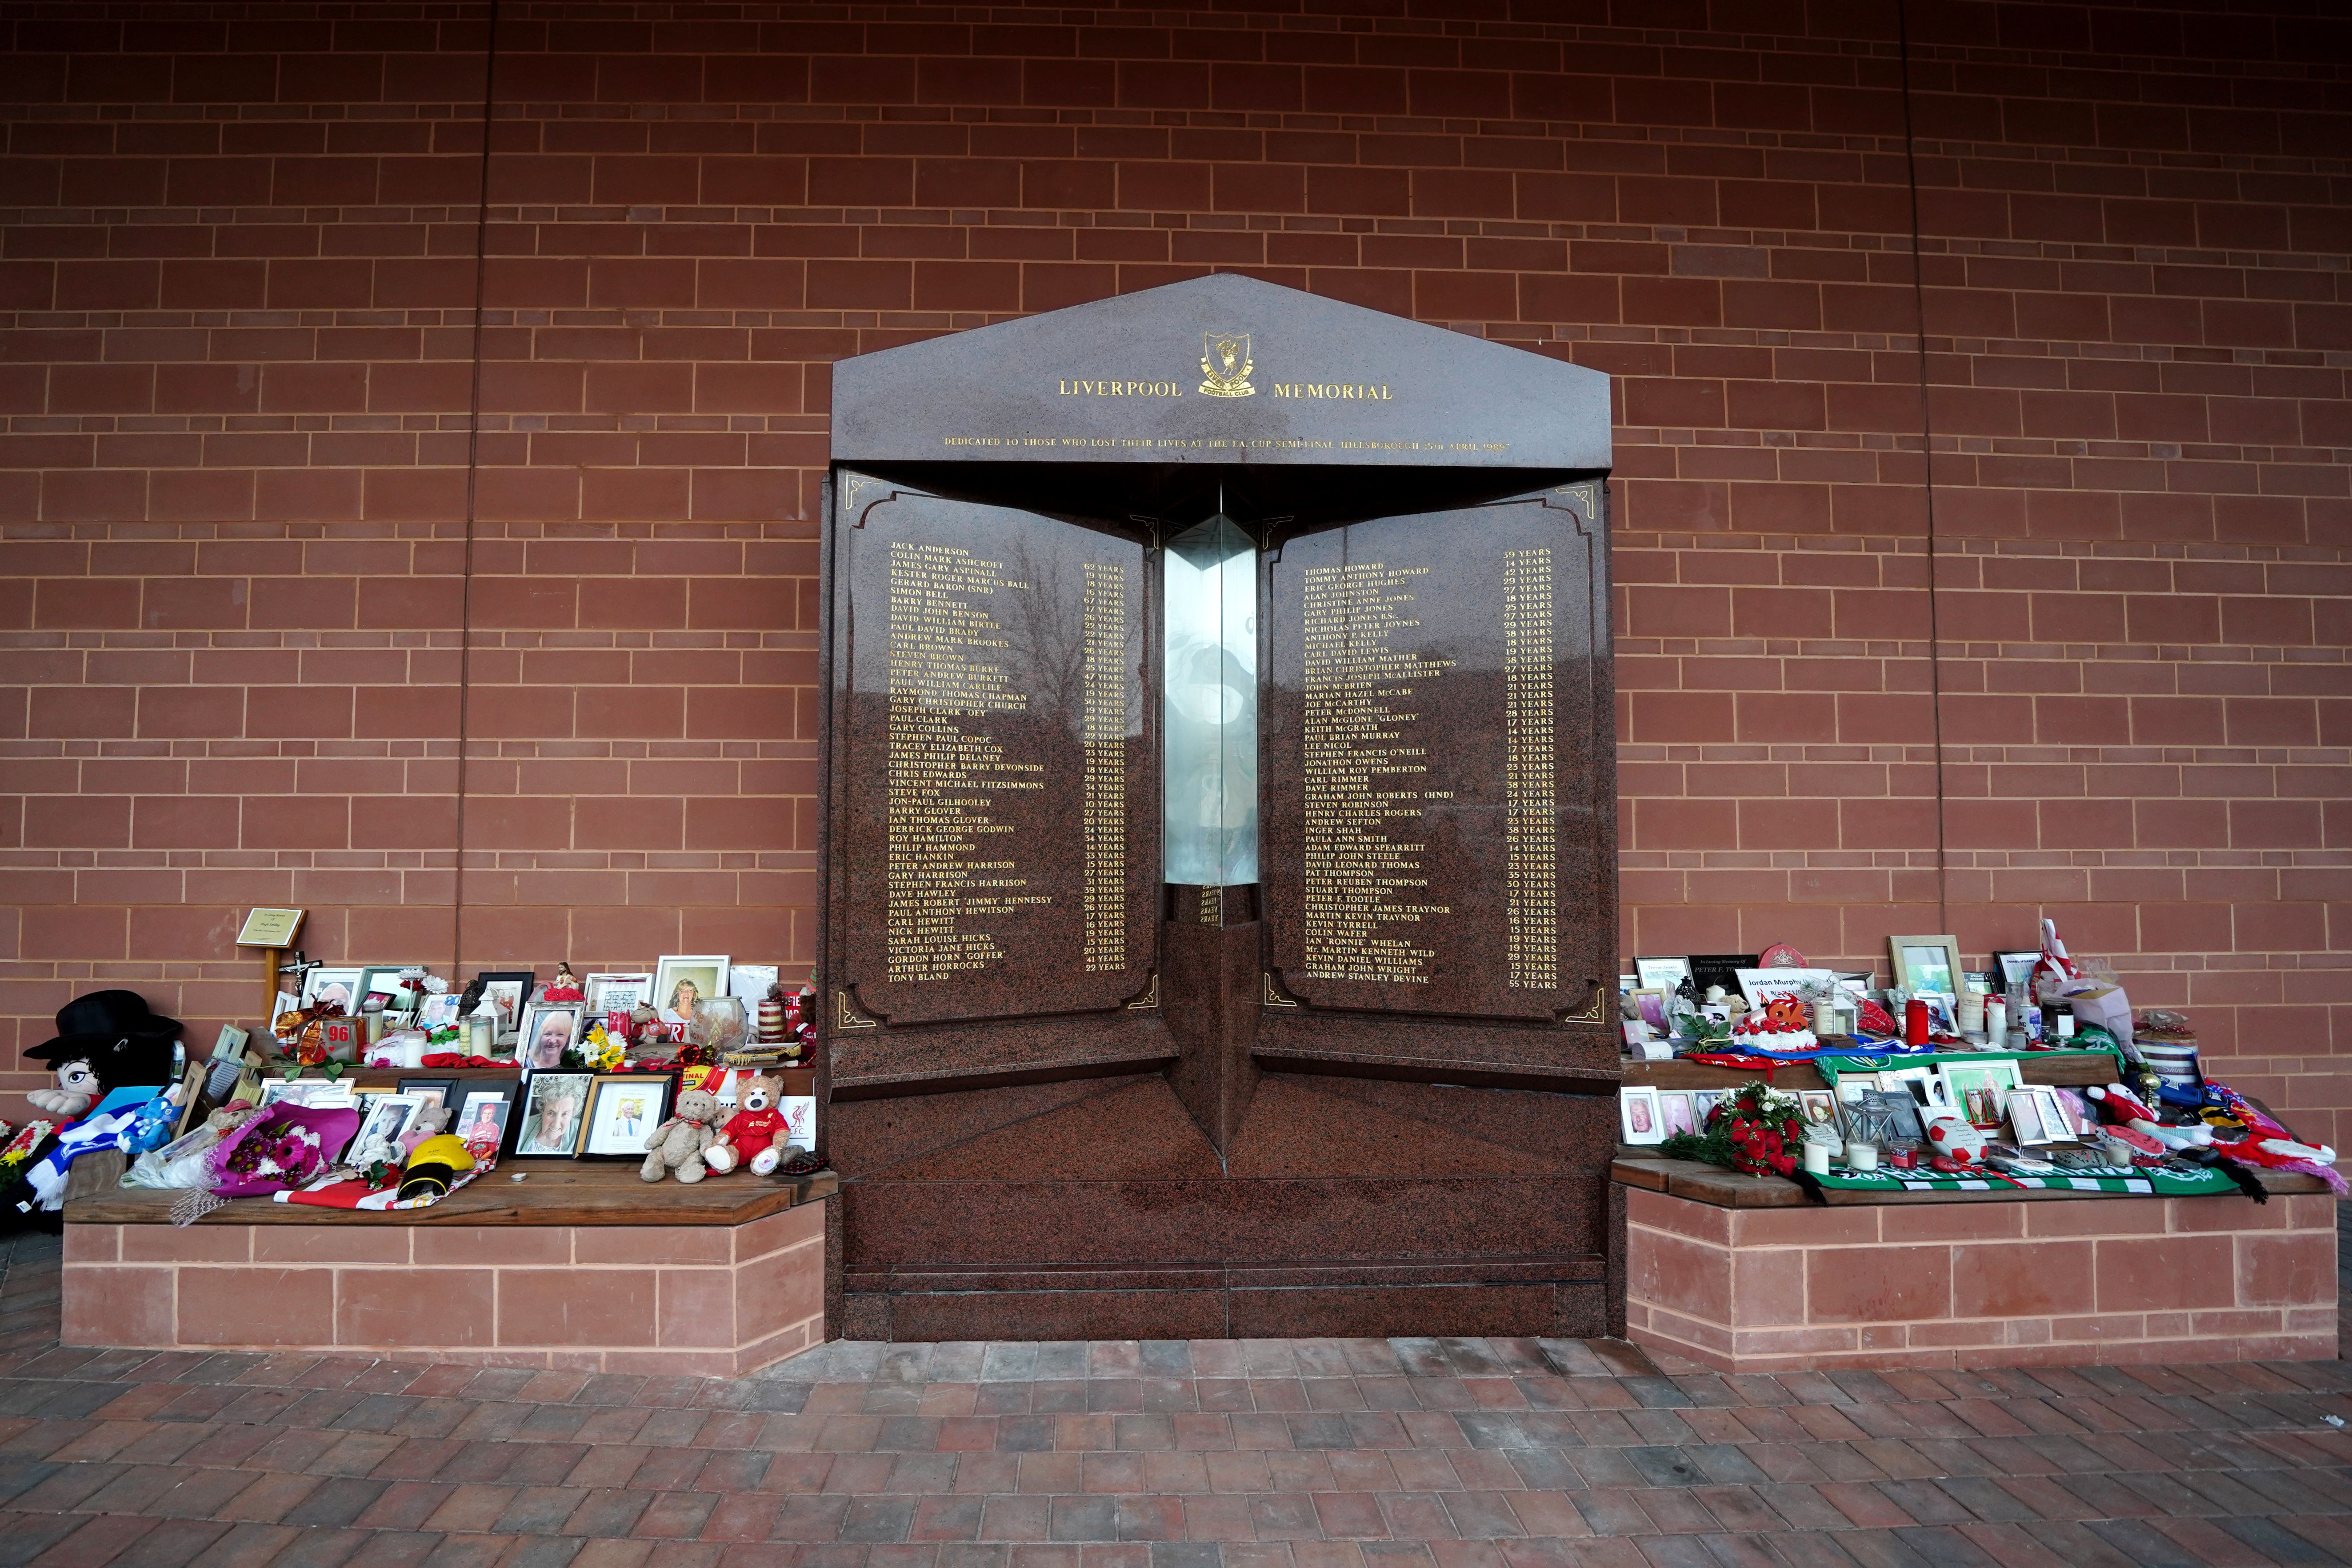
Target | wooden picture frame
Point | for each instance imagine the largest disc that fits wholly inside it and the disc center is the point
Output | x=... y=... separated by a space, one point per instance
x=603 y=1134
x=1918 y=973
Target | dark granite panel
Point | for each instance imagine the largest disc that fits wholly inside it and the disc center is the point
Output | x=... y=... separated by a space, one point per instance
x=988 y=664
x=1266 y=1277
x=1223 y=369
x=973 y=1221
x=880 y=1059
x=1431 y=685
x=1054 y=1315
x=871 y=1137
x=1580 y=1056
x=1213 y=970
x=1380 y=1312
x=1304 y=1132
x=1562 y=1134
x=1137 y=1132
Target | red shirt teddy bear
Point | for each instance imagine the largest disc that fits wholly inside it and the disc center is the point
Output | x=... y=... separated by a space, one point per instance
x=757 y=1133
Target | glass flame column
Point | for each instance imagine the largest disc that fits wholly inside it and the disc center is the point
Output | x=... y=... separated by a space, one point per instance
x=1209 y=834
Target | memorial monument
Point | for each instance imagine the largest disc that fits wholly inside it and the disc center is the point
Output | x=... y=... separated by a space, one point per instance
x=1220 y=903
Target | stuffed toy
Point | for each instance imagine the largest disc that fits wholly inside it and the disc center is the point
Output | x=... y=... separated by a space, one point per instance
x=105 y=1041
x=431 y=1122
x=756 y=1133
x=131 y=1128
x=677 y=1145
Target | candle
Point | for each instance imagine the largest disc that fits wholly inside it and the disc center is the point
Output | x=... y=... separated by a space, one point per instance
x=1861 y=1156
x=1996 y=1021
x=1817 y=1158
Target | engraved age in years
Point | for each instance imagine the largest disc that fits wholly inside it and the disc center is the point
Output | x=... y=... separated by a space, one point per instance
x=998 y=763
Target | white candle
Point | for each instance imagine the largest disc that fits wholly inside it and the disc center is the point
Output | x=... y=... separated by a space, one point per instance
x=1861 y=1156
x=1817 y=1158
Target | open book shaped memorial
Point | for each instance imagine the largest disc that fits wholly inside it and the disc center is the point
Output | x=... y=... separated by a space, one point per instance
x=1220 y=901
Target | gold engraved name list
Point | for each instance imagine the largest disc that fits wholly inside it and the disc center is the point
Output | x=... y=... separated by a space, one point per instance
x=1360 y=691
x=1103 y=731
x=945 y=865
x=1531 y=882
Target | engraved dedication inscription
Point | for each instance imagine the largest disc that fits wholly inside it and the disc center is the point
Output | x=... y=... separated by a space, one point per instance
x=1428 y=757
x=1002 y=817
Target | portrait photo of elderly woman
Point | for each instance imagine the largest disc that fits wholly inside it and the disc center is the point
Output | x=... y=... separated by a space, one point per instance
x=552 y=1113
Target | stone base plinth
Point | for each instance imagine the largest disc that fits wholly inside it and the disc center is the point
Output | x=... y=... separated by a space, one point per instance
x=2061 y=1281
x=700 y=1301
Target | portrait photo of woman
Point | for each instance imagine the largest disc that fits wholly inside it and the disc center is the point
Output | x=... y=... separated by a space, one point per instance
x=552 y=1113
x=548 y=1028
x=680 y=983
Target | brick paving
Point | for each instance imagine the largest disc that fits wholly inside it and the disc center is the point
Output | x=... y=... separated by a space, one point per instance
x=1255 y=1454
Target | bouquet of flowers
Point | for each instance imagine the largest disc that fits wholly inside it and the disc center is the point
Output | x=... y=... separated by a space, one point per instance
x=1757 y=1130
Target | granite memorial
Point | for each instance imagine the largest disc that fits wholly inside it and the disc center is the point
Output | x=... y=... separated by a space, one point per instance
x=1219 y=902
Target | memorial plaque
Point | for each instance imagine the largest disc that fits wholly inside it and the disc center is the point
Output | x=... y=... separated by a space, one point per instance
x=1315 y=1044
x=1432 y=845
x=1001 y=777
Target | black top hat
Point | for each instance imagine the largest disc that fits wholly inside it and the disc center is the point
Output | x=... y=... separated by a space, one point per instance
x=96 y=1021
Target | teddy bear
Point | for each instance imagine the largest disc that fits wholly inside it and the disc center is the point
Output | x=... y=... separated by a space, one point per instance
x=677 y=1145
x=757 y=1133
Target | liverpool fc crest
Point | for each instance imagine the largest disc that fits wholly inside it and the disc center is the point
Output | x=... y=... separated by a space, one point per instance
x=1225 y=361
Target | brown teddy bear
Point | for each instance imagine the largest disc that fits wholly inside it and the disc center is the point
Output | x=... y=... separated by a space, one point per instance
x=677 y=1143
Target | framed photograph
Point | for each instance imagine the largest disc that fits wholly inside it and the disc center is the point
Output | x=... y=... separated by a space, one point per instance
x=548 y=1027
x=1651 y=1005
x=1718 y=969
x=614 y=992
x=2033 y=1115
x=1979 y=1090
x=1900 y=1114
x=1703 y=1104
x=554 y=1108
x=438 y=1012
x=192 y=1094
x=2081 y=1121
x=1675 y=1111
x=680 y=982
x=1637 y=1115
x=486 y=1116
x=316 y=1092
x=750 y=983
x=506 y=990
x=387 y=1116
x=2016 y=968
x=1941 y=1018
x=341 y=986
x=431 y=1091
x=1661 y=973
x=1819 y=1106
x=623 y=1110
x=383 y=980
x=1926 y=963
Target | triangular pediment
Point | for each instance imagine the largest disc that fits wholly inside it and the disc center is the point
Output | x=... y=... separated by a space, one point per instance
x=1222 y=369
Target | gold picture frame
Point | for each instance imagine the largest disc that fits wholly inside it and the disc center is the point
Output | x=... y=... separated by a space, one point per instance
x=1917 y=972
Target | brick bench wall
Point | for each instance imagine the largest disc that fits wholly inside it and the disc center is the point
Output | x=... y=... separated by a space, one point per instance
x=693 y=1301
x=2050 y=1281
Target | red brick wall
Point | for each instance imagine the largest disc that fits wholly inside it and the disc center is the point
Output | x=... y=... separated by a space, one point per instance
x=238 y=370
